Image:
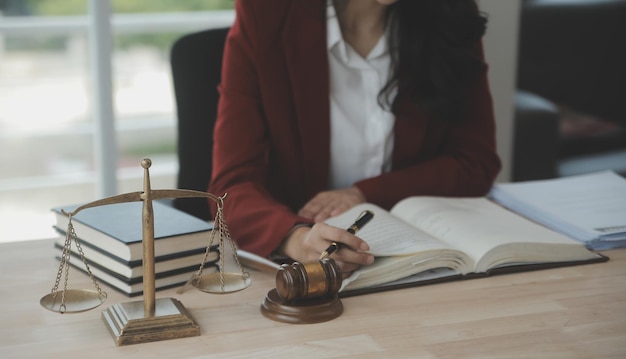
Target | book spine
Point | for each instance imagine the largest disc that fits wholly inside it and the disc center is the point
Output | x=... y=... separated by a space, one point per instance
x=59 y=243
x=75 y=258
x=136 y=288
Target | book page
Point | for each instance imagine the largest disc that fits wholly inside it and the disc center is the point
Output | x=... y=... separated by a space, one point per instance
x=475 y=225
x=387 y=235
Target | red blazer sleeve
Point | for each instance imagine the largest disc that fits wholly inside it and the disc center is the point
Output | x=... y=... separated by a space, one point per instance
x=256 y=151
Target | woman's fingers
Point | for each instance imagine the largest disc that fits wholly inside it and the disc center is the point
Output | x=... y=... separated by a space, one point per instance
x=352 y=248
x=307 y=244
x=331 y=203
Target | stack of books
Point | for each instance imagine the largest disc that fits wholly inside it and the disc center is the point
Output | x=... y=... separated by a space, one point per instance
x=111 y=239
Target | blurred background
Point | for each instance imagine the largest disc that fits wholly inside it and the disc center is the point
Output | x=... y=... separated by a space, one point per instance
x=86 y=93
x=48 y=129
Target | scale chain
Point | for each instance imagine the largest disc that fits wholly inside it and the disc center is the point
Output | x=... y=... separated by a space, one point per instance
x=226 y=234
x=64 y=266
x=220 y=229
x=219 y=222
x=79 y=248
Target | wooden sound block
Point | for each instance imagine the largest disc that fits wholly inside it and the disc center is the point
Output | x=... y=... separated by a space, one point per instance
x=306 y=311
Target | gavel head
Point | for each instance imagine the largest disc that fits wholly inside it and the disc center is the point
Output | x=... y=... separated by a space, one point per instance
x=299 y=281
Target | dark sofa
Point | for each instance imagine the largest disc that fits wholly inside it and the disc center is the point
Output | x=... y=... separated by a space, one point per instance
x=570 y=113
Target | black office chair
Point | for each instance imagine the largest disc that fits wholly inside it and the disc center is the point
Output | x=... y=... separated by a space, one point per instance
x=196 y=61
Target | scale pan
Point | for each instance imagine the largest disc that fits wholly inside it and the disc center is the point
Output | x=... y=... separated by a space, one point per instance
x=76 y=300
x=211 y=283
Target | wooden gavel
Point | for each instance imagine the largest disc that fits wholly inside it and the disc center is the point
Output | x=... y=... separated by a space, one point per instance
x=298 y=282
x=305 y=293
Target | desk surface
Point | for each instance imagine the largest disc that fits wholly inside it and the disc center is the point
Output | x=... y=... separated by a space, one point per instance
x=572 y=312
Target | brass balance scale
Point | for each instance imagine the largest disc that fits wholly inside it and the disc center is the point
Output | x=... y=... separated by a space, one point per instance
x=151 y=319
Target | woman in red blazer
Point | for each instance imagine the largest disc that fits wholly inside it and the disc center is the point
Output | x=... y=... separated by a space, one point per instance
x=273 y=146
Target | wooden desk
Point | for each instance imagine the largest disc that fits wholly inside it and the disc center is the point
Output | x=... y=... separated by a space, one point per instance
x=573 y=312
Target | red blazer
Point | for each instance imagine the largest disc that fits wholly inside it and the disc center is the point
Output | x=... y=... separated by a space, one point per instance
x=271 y=149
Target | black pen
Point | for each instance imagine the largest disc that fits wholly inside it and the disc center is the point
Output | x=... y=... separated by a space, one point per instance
x=358 y=224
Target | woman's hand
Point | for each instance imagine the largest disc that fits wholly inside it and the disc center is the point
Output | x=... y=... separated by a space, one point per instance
x=331 y=203
x=307 y=244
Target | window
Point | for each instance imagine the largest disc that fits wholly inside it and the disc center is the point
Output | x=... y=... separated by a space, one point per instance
x=47 y=110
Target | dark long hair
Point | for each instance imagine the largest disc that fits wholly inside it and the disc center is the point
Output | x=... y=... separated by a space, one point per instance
x=435 y=53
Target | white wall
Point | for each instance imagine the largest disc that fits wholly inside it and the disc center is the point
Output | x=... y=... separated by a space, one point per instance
x=501 y=53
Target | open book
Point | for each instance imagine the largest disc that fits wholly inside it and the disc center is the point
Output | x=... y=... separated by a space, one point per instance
x=425 y=238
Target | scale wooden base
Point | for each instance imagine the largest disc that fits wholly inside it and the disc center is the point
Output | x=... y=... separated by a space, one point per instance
x=306 y=311
x=128 y=324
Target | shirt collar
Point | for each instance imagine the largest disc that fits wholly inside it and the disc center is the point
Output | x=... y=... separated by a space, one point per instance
x=333 y=31
x=335 y=39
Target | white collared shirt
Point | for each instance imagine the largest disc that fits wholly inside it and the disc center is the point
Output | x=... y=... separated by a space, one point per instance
x=361 y=130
